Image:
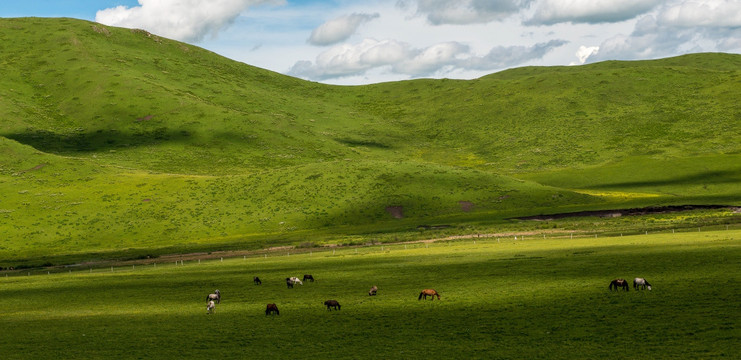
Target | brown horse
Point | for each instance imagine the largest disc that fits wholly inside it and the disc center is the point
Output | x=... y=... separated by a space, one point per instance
x=428 y=292
x=257 y=280
x=373 y=290
x=272 y=308
x=308 y=277
x=619 y=283
x=332 y=304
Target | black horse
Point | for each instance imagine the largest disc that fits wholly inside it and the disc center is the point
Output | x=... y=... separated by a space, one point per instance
x=332 y=304
x=257 y=281
x=309 y=278
x=272 y=309
x=619 y=283
x=289 y=283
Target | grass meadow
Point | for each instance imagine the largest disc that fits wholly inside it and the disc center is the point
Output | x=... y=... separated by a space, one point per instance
x=116 y=143
x=501 y=298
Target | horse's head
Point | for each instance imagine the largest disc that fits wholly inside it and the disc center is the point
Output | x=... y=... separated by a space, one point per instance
x=649 y=288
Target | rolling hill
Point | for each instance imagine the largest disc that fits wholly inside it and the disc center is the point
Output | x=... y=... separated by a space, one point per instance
x=116 y=140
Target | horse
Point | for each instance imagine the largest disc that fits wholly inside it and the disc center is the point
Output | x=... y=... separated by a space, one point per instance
x=619 y=283
x=289 y=283
x=373 y=290
x=272 y=308
x=210 y=307
x=296 y=280
x=308 y=277
x=641 y=283
x=332 y=304
x=428 y=292
x=215 y=296
x=257 y=280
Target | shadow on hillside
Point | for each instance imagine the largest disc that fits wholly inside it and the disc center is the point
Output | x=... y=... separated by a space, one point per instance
x=708 y=177
x=100 y=140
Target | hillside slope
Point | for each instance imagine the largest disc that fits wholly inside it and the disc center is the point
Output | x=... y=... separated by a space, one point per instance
x=114 y=139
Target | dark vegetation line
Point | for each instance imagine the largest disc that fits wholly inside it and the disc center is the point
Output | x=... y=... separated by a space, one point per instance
x=629 y=212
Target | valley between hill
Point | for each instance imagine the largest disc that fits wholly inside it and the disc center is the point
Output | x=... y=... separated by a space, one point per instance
x=117 y=143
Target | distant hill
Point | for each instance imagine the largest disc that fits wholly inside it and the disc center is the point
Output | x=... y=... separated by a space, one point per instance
x=114 y=138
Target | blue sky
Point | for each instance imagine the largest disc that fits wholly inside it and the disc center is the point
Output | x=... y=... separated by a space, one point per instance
x=357 y=42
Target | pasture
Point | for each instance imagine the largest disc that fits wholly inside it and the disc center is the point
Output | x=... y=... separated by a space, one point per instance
x=538 y=298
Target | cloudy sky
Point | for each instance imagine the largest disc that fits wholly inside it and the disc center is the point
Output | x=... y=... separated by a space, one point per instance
x=366 y=41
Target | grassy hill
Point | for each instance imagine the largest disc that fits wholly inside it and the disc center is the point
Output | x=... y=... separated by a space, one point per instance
x=115 y=140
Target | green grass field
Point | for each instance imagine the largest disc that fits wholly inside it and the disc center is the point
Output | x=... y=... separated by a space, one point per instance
x=538 y=298
x=118 y=143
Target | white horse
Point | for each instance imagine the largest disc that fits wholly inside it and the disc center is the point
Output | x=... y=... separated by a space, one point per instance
x=215 y=296
x=641 y=283
x=295 y=280
x=210 y=307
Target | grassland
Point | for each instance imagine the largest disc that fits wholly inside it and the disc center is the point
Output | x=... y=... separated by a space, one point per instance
x=538 y=298
x=118 y=143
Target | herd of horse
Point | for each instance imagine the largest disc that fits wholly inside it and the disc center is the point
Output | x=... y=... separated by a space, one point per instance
x=638 y=284
x=215 y=297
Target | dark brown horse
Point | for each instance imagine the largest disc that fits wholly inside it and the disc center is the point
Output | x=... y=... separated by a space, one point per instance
x=257 y=281
x=332 y=304
x=272 y=309
x=619 y=283
x=373 y=290
x=308 y=277
x=428 y=292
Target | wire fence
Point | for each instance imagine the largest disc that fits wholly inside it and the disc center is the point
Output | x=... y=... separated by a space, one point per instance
x=375 y=248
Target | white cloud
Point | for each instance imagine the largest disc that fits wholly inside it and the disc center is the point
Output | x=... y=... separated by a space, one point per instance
x=345 y=60
x=709 y=13
x=501 y=57
x=401 y=58
x=584 y=53
x=678 y=28
x=549 y=12
x=432 y=59
x=185 y=20
x=339 y=29
x=439 y=12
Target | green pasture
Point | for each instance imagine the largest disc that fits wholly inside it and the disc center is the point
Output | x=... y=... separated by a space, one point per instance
x=116 y=143
x=501 y=298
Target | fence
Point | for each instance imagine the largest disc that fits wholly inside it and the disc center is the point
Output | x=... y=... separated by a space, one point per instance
x=361 y=249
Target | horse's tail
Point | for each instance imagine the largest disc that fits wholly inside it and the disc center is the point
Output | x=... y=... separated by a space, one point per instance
x=420 y=295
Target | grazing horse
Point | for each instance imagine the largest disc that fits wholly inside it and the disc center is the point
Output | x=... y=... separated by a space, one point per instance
x=641 y=283
x=289 y=283
x=257 y=280
x=308 y=277
x=215 y=296
x=332 y=304
x=373 y=290
x=428 y=292
x=210 y=307
x=619 y=283
x=296 y=280
x=272 y=308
